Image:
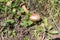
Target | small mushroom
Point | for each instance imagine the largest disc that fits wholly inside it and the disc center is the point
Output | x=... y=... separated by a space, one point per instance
x=24 y=7
x=33 y=16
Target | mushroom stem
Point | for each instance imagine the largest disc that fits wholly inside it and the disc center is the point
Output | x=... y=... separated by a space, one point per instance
x=25 y=9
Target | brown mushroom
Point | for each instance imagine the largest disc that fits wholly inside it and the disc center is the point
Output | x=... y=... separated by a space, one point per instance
x=24 y=7
x=33 y=16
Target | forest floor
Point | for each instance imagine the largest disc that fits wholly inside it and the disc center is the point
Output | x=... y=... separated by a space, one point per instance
x=16 y=25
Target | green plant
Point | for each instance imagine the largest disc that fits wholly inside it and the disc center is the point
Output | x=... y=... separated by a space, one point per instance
x=10 y=8
x=5 y=25
x=26 y=38
x=45 y=28
x=3 y=8
x=21 y=10
x=4 y=0
x=6 y=22
x=36 y=34
x=25 y=21
x=12 y=33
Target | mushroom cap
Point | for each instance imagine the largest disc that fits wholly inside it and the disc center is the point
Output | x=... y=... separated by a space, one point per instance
x=35 y=17
x=22 y=4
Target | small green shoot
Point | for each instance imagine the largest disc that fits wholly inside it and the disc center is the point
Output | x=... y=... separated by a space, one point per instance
x=53 y=32
x=26 y=38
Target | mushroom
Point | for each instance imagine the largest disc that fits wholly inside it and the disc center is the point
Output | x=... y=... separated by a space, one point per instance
x=33 y=16
x=25 y=9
